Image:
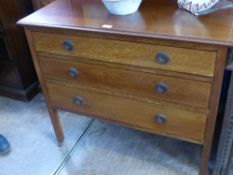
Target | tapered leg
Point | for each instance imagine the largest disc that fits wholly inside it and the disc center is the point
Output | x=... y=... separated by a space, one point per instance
x=52 y=111
x=56 y=124
x=205 y=160
x=214 y=101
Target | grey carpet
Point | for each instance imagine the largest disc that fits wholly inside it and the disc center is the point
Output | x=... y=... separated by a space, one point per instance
x=105 y=149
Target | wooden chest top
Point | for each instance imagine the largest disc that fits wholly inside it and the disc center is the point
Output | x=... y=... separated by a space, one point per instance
x=159 y=19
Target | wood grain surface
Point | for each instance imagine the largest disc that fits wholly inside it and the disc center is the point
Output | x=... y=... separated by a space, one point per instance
x=183 y=91
x=181 y=124
x=131 y=53
x=155 y=19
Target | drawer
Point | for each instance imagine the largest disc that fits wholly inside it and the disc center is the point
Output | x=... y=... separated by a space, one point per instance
x=151 y=56
x=148 y=85
x=150 y=117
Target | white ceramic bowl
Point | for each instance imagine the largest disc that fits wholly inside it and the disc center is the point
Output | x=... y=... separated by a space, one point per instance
x=122 y=7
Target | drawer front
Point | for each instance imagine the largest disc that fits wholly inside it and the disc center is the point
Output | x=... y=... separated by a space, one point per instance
x=150 y=117
x=131 y=53
x=175 y=90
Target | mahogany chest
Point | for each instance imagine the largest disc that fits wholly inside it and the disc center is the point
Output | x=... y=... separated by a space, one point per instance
x=158 y=70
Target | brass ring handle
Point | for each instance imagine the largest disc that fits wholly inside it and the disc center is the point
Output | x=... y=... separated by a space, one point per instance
x=161 y=119
x=73 y=72
x=79 y=101
x=68 y=45
x=161 y=88
x=162 y=58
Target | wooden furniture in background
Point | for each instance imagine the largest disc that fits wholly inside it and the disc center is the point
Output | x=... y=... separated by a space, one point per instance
x=158 y=70
x=17 y=75
x=37 y=4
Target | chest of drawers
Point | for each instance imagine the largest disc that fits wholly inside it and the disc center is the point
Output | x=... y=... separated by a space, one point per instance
x=156 y=75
